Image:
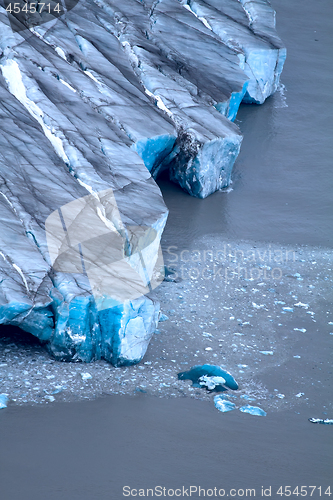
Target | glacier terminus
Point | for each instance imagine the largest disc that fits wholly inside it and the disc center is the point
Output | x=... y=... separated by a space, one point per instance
x=95 y=104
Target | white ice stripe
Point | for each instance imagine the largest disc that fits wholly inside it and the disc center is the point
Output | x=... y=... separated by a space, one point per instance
x=247 y=10
x=60 y=53
x=108 y=223
x=34 y=32
x=88 y=188
x=160 y=104
x=202 y=19
x=187 y=7
x=3 y=256
x=22 y=275
x=205 y=22
x=88 y=73
x=11 y=72
x=8 y=200
x=67 y=85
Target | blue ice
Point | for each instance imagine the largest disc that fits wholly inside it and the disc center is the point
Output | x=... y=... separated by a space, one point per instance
x=253 y=410
x=3 y=401
x=196 y=372
x=223 y=405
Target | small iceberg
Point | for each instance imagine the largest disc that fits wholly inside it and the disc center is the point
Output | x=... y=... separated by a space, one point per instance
x=58 y=389
x=253 y=410
x=86 y=376
x=223 y=405
x=327 y=421
x=3 y=401
x=196 y=372
x=163 y=317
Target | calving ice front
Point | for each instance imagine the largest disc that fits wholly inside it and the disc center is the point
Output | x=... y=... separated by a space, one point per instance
x=94 y=105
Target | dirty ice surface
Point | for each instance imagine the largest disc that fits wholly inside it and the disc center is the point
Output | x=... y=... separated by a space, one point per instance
x=217 y=313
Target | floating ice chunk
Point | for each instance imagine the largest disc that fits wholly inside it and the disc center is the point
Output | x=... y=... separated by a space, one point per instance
x=3 y=401
x=299 y=395
x=280 y=396
x=50 y=398
x=327 y=421
x=211 y=382
x=253 y=410
x=288 y=309
x=267 y=353
x=208 y=348
x=196 y=372
x=163 y=317
x=297 y=356
x=300 y=304
x=257 y=306
x=223 y=405
x=303 y=330
x=58 y=389
x=279 y=302
x=86 y=376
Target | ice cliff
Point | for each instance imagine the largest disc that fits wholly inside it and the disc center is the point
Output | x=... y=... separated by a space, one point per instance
x=93 y=106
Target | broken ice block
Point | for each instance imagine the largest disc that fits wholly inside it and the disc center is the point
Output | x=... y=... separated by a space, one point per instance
x=253 y=410
x=223 y=405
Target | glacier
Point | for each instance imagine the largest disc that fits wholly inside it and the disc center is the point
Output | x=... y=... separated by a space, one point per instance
x=94 y=106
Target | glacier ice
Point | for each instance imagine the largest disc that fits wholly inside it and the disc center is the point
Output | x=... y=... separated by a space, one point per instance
x=223 y=404
x=3 y=401
x=94 y=106
x=253 y=410
x=207 y=375
x=326 y=421
x=211 y=382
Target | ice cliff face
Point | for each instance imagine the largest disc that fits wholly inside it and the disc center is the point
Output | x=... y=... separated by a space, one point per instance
x=93 y=106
